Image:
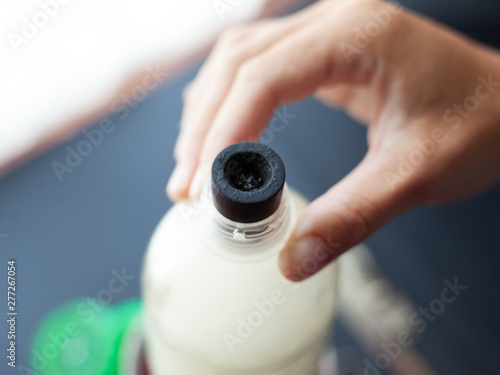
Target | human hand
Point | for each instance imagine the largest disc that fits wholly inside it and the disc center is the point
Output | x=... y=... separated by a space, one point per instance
x=430 y=98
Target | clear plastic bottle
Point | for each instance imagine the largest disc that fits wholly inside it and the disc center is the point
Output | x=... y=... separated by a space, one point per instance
x=215 y=300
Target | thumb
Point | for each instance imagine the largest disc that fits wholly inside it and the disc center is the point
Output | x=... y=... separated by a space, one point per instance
x=344 y=216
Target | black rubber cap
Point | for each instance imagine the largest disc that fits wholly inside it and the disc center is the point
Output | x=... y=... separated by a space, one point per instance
x=247 y=182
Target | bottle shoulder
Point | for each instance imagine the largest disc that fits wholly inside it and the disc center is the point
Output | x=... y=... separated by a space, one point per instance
x=185 y=224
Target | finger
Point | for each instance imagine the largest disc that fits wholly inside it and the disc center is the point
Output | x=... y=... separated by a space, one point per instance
x=205 y=95
x=290 y=70
x=235 y=46
x=345 y=216
x=356 y=100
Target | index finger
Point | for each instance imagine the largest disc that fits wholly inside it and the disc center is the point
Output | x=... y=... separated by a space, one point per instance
x=291 y=70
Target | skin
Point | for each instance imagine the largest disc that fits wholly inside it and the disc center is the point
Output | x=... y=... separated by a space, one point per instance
x=410 y=80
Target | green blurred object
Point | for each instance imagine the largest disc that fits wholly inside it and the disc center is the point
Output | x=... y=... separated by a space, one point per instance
x=82 y=338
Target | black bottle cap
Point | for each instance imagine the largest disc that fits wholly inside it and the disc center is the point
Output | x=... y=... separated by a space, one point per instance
x=247 y=182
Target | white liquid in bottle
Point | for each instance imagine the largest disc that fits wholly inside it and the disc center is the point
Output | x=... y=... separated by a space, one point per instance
x=215 y=300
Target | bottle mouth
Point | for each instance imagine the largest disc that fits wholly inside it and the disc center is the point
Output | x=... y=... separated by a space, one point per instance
x=247 y=171
x=247 y=182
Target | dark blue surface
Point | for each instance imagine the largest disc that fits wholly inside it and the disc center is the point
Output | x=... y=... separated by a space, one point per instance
x=68 y=236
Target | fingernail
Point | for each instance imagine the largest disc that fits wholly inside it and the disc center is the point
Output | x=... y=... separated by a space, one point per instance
x=197 y=184
x=286 y=266
x=303 y=227
x=178 y=183
x=306 y=256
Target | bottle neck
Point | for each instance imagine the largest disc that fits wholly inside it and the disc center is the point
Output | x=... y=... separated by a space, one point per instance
x=247 y=241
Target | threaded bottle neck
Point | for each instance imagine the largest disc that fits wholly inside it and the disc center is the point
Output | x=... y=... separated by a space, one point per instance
x=249 y=233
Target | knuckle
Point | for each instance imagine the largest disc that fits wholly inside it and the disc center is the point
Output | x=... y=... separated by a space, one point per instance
x=234 y=35
x=250 y=71
x=233 y=45
x=422 y=186
x=358 y=213
x=239 y=37
x=265 y=87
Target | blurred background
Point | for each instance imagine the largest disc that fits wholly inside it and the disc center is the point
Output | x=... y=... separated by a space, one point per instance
x=76 y=206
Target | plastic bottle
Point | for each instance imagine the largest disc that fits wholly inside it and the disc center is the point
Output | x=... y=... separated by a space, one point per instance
x=215 y=300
